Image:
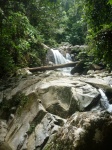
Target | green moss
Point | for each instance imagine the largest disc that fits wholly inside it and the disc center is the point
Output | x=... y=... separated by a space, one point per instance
x=58 y=144
x=22 y=102
x=18 y=101
x=25 y=102
x=65 y=94
x=31 y=129
x=36 y=121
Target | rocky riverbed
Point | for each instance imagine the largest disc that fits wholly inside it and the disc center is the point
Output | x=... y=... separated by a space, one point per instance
x=54 y=111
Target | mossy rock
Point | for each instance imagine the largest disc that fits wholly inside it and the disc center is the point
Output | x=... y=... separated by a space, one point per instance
x=5 y=146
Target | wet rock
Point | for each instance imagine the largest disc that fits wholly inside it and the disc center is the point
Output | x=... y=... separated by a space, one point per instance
x=79 y=68
x=50 y=57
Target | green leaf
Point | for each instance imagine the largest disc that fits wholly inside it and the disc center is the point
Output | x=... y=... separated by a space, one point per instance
x=110 y=1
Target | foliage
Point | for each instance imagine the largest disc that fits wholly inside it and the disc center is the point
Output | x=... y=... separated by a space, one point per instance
x=98 y=15
x=44 y=15
x=110 y=1
x=72 y=28
x=7 y=105
x=24 y=26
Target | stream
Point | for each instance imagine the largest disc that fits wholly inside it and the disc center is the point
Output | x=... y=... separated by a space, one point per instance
x=55 y=110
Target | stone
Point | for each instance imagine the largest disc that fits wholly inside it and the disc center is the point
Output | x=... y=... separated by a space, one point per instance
x=50 y=57
x=23 y=72
x=83 y=131
x=98 y=83
x=63 y=97
x=49 y=99
x=1 y=97
x=3 y=130
x=21 y=126
x=79 y=68
x=5 y=146
x=48 y=126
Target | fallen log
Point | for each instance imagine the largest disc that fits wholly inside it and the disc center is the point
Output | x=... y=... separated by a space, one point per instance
x=44 y=68
x=45 y=46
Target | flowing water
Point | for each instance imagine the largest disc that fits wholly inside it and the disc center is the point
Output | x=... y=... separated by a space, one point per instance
x=60 y=59
x=104 y=101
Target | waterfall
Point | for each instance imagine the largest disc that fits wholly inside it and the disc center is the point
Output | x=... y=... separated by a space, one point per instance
x=68 y=57
x=104 y=101
x=60 y=59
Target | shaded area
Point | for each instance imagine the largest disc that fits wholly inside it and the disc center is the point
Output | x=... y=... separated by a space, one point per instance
x=84 y=131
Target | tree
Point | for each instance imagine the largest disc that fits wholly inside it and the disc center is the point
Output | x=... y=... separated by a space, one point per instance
x=98 y=15
x=110 y=1
x=72 y=28
x=24 y=26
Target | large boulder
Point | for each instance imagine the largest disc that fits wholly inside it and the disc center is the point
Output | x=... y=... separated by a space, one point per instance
x=50 y=57
x=44 y=130
x=60 y=95
x=64 y=96
x=79 y=68
x=3 y=132
x=31 y=124
x=22 y=122
x=36 y=107
x=99 y=83
x=84 y=131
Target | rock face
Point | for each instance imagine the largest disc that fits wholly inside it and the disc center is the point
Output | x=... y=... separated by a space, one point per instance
x=35 y=108
x=5 y=146
x=84 y=131
x=3 y=131
x=65 y=96
x=50 y=57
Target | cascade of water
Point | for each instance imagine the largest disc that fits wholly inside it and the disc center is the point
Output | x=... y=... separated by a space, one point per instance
x=60 y=59
x=68 y=56
x=104 y=101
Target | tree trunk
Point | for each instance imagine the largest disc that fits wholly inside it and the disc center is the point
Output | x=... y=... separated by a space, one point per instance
x=45 y=46
x=43 y=68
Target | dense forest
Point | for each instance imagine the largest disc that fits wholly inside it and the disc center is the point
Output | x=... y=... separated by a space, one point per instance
x=26 y=25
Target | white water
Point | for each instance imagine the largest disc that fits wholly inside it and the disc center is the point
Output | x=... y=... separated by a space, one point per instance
x=104 y=101
x=68 y=57
x=60 y=59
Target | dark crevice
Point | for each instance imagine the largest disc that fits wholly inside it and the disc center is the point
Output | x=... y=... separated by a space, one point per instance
x=36 y=121
x=43 y=144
